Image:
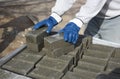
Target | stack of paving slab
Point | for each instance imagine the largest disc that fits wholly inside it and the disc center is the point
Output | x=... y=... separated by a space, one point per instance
x=48 y=56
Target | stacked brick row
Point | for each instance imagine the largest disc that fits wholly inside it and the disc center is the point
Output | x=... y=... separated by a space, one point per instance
x=60 y=58
x=47 y=56
x=26 y=60
x=4 y=74
x=114 y=62
x=113 y=67
x=35 y=39
x=96 y=62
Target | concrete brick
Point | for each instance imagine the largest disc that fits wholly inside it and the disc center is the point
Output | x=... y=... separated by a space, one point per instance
x=69 y=60
x=85 y=73
x=36 y=36
x=18 y=66
x=55 y=41
x=80 y=47
x=71 y=75
x=101 y=48
x=54 y=64
x=72 y=67
x=117 y=60
x=84 y=43
x=117 y=53
x=94 y=60
x=113 y=67
x=35 y=47
x=45 y=73
x=66 y=58
x=4 y=74
x=87 y=41
x=60 y=51
x=26 y=56
x=75 y=53
x=90 y=66
x=117 y=50
x=42 y=52
x=96 y=53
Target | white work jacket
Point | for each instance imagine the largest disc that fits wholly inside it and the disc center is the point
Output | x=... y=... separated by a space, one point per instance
x=102 y=8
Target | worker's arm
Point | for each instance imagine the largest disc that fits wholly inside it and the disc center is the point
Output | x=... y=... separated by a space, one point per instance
x=87 y=12
x=50 y=22
x=61 y=6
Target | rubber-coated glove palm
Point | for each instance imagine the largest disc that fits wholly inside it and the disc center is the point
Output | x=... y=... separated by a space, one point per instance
x=71 y=32
x=50 y=23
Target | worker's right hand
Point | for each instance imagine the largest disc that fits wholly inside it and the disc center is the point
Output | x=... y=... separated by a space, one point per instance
x=50 y=22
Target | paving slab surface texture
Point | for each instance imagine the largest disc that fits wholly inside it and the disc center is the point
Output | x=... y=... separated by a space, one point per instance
x=57 y=59
x=10 y=75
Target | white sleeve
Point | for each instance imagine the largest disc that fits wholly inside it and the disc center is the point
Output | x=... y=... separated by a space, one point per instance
x=61 y=6
x=90 y=9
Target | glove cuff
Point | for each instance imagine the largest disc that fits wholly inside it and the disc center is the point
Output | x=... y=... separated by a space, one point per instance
x=56 y=17
x=78 y=22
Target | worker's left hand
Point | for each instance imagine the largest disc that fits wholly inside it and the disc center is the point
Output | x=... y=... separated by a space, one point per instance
x=71 y=32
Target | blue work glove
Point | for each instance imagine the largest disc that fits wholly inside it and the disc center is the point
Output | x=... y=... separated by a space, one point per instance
x=71 y=32
x=50 y=23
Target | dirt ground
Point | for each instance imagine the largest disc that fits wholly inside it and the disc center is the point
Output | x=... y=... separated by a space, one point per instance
x=14 y=23
x=12 y=33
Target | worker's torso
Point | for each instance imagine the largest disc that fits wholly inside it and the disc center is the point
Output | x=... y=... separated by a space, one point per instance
x=111 y=9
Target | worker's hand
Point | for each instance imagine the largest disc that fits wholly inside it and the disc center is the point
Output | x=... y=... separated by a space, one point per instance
x=71 y=32
x=49 y=22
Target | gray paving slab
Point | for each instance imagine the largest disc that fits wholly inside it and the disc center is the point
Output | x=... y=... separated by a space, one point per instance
x=27 y=56
x=94 y=60
x=96 y=53
x=24 y=62
x=72 y=75
x=87 y=41
x=113 y=67
x=45 y=73
x=54 y=64
x=35 y=47
x=18 y=66
x=76 y=54
x=117 y=60
x=117 y=53
x=90 y=66
x=4 y=74
x=85 y=73
x=55 y=41
x=60 y=51
x=101 y=48
x=36 y=36
x=67 y=59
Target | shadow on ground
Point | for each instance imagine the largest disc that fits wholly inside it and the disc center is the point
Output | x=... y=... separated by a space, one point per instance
x=12 y=29
x=114 y=74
